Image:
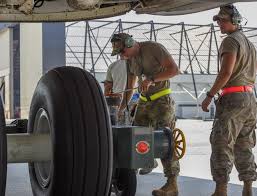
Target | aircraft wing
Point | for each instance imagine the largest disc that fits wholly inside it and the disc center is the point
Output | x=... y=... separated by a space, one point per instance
x=74 y=10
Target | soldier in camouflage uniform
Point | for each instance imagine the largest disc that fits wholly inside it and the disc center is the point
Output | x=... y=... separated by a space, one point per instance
x=152 y=64
x=233 y=134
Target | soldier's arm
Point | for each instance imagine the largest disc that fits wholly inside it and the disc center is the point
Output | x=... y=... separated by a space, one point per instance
x=228 y=61
x=171 y=70
x=166 y=61
x=128 y=94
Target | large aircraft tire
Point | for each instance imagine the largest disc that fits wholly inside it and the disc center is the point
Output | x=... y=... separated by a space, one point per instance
x=3 y=151
x=69 y=104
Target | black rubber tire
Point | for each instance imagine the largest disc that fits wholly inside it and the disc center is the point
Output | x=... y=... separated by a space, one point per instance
x=80 y=131
x=126 y=182
x=3 y=151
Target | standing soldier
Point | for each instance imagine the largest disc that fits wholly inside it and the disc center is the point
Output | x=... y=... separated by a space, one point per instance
x=154 y=66
x=233 y=134
x=115 y=83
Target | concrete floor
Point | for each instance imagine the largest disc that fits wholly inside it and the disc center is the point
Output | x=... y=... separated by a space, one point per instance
x=195 y=177
x=18 y=184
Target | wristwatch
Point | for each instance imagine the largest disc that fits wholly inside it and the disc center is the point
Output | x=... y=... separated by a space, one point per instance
x=209 y=95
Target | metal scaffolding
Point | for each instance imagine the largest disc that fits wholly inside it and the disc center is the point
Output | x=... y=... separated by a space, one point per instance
x=194 y=47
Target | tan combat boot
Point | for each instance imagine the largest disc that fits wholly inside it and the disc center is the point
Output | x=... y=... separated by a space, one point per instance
x=169 y=189
x=221 y=189
x=247 y=190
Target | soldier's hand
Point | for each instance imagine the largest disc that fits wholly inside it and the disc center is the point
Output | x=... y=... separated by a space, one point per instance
x=145 y=85
x=206 y=102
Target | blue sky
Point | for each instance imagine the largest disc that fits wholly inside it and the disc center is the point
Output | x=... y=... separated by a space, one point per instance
x=247 y=10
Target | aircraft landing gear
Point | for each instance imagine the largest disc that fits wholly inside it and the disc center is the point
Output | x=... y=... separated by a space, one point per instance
x=69 y=140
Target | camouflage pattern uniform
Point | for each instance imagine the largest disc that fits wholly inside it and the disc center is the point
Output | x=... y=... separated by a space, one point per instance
x=160 y=112
x=233 y=133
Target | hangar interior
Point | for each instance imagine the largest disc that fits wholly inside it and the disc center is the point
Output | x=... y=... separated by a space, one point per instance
x=29 y=50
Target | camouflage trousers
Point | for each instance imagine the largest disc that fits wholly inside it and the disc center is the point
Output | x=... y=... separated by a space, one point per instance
x=158 y=114
x=233 y=137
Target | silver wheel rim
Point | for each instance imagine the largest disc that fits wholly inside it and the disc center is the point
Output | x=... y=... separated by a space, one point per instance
x=42 y=169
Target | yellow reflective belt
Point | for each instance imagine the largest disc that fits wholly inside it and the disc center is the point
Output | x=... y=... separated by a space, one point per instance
x=156 y=95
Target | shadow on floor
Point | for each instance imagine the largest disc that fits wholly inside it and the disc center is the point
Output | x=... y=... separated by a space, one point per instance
x=188 y=186
x=18 y=184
